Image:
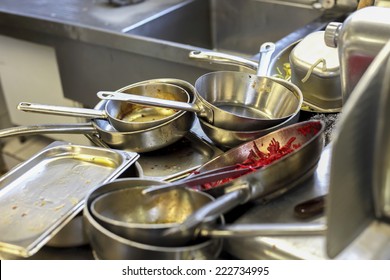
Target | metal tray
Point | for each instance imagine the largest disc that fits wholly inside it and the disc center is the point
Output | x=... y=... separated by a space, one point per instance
x=40 y=196
x=175 y=161
x=178 y=160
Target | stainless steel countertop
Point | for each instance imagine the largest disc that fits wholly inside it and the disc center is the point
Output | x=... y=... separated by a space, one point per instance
x=372 y=243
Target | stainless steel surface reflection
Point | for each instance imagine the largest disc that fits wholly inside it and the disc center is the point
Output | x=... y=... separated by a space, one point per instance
x=373 y=243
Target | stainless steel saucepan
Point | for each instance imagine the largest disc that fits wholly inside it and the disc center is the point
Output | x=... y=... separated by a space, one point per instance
x=238 y=87
x=228 y=139
x=109 y=245
x=124 y=116
x=254 y=104
x=137 y=141
x=132 y=215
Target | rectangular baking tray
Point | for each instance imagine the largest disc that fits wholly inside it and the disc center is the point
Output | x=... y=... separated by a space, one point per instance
x=178 y=160
x=175 y=161
x=40 y=196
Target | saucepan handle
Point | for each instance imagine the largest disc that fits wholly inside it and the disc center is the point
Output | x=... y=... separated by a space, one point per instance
x=267 y=229
x=61 y=110
x=218 y=207
x=80 y=128
x=147 y=100
x=222 y=58
x=266 y=52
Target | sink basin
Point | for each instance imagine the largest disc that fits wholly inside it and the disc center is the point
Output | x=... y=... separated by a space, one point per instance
x=231 y=26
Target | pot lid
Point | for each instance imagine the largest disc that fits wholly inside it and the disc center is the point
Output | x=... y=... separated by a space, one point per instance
x=313 y=52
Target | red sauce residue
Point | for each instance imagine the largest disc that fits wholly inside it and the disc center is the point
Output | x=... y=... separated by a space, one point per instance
x=310 y=129
x=257 y=159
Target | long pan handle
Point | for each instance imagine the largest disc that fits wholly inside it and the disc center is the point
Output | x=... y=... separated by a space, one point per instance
x=80 y=128
x=200 y=179
x=149 y=101
x=61 y=110
x=222 y=58
x=271 y=229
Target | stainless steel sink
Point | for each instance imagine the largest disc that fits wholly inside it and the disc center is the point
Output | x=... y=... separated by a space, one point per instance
x=231 y=26
x=99 y=46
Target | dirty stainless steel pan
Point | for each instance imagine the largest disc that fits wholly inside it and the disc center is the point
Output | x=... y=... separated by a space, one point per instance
x=132 y=215
x=226 y=101
x=108 y=245
x=227 y=88
x=275 y=178
x=232 y=138
x=124 y=116
x=137 y=141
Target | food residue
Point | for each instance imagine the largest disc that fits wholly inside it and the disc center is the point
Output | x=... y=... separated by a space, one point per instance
x=257 y=159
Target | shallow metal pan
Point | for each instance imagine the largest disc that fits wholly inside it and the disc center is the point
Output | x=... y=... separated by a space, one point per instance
x=40 y=196
x=124 y=116
x=109 y=245
x=136 y=141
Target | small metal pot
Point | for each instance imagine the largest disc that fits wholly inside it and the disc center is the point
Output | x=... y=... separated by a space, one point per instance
x=124 y=116
x=108 y=245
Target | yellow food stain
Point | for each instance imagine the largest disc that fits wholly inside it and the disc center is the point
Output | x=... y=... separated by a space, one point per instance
x=74 y=201
x=59 y=207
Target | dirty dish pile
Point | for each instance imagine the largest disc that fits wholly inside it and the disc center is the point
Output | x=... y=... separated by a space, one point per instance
x=273 y=164
x=227 y=100
x=250 y=106
x=109 y=244
x=124 y=116
x=145 y=140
